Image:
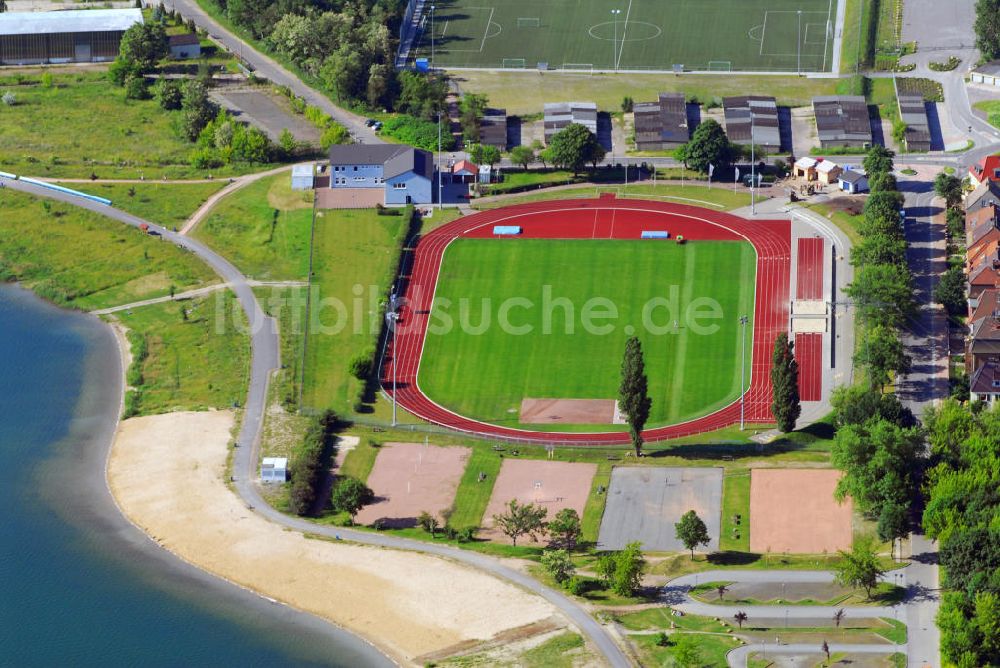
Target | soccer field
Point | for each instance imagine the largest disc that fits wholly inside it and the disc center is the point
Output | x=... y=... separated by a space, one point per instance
x=736 y=35
x=492 y=292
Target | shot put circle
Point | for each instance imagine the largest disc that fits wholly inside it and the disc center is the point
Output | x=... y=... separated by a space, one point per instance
x=638 y=31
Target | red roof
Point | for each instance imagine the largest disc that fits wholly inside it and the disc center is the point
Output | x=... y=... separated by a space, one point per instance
x=987 y=168
x=465 y=168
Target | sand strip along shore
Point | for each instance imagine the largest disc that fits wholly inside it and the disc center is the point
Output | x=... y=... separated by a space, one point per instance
x=167 y=474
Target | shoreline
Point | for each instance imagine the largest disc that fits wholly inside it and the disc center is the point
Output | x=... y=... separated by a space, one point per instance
x=75 y=487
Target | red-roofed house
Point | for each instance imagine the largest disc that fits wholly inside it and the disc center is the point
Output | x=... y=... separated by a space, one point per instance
x=464 y=172
x=986 y=169
x=985 y=383
x=982 y=237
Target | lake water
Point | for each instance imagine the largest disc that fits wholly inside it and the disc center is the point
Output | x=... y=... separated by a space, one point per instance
x=80 y=585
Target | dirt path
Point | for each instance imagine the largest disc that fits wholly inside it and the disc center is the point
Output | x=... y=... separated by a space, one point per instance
x=234 y=185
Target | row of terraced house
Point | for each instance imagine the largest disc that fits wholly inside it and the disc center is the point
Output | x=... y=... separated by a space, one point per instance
x=982 y=267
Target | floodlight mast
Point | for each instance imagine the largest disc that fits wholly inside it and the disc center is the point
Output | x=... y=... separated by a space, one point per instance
x=614 y=42
x=432 y=37
x=743 y=372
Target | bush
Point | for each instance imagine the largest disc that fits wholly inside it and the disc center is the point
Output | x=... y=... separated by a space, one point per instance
x=363 y=365
x=168 y=94
x=206 y=158
x=334 y=134
x=662 y=639
x=136 y=88
x=417 y=132
x=576 y=585
x=310 y=461
x=467 y=534
x=46 y=79
x=132 y=400
x=317 y=116
x=9 y=99
x=139 y=352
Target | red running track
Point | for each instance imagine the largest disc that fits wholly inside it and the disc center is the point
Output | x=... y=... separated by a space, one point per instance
x=809 y=269
x=809 y=355
x=605 y=218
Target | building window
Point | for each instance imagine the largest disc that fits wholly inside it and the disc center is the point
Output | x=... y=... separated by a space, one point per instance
x=355 y=168
x=399 y=186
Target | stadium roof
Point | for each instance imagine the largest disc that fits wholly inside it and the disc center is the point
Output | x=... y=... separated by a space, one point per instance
x=493 y=128
x=764 y=112
x=560 y=114
x=69 y=21
x=663 y=121
x=842 y=118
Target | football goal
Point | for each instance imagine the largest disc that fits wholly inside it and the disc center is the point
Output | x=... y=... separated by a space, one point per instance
x=514 y=63
x=720 y=66
x=579 y=68
x=528 y=22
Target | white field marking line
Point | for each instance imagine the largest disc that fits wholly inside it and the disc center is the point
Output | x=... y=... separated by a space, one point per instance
x=486 y=33
x=782 y=11
x=763 y=31
x=445 y=29
x=624 y=30
x=829 y=29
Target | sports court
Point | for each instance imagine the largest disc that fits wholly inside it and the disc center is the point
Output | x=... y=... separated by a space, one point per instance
x=410 y=478
x=793 y=510
x=587 y=35
x=644 y=504
x=550 y=484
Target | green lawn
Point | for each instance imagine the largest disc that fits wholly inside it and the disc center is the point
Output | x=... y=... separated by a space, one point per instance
x=263 y=229
x=712 y=649
x=358 y=463
x=169 y=204
x=196 y=363
x=723 y=35
x=735 y=501
x=992 y=109
x=473 y=496
x=80 y=259
x=354 y=250
x=527 y=92
x=485 y=372
x=287 y=306
x=83 y=124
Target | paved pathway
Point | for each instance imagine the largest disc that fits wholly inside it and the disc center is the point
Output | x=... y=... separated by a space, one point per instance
x=265 y=360
x=739 y=656
x=197 y=292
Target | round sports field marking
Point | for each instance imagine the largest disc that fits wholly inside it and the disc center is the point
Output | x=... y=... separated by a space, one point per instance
x=756 y=33
x=632 y=26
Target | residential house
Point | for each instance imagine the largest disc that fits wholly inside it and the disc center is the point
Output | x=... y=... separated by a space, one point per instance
x=986 y=194
x=493 y=128
x=853 y=182
x=560 y=114
x=364 y=175
x=753 y=119
x=185 y=46
x=842 y=120
x=987 y=169
x=985 y=383
x=661 y=125
x=913 y=112
x=982 y=238
x=987 y=73
x=464 y=171
x=983 y=344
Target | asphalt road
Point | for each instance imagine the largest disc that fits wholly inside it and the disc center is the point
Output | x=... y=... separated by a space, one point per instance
x=269 y=69
x=265 y=360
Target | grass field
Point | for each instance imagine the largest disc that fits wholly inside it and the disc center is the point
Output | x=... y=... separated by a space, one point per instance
x=192 y=363
x=83 y=124
x=723 y=35
x=735 y=501
x=486 y=375
x=83 y=260
x=263 y=229
x=169 y=204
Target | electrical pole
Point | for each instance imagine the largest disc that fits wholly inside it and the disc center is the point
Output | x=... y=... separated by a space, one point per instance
x=614 y=42
x=743 y=372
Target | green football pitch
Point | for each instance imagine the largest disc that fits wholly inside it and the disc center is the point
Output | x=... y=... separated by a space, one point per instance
x=736 y=35
x=480 y=360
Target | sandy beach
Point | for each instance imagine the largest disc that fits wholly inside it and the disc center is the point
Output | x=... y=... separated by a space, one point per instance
x=167 y=473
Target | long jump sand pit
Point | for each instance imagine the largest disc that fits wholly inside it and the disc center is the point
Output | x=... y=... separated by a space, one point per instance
x=410 y=478
x=793 y=510
x=569 y=411
x=168 y=474
x=552 y=485
x=645 y=502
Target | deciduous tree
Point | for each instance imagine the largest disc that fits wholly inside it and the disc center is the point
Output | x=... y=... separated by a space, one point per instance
x=949 y=188
x=519 y=519
x=574 y=146
x=558 y=564
x=350 y=495
x=708 y=146
x=565 y=528
x=860 y=567
x=691 y=531
x=522 y=155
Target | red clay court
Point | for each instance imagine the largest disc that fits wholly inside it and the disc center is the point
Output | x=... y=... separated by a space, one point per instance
x=550 y=484
x=793 y=510
x=606 y=217
x=410 y=478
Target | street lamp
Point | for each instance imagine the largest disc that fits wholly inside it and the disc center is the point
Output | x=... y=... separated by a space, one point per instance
x=614 y=42
x=440 y=176
x=743 y=372
x=391 y=319
x=432 y=37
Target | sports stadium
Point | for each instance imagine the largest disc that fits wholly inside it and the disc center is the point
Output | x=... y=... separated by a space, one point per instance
x=512 y=322
x=630 y=35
